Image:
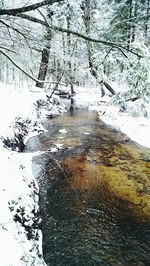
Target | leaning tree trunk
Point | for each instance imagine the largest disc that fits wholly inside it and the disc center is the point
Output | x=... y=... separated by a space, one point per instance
x=44 y=60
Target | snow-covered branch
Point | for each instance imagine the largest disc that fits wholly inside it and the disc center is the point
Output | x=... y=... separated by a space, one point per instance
x=8 y=49
x=78 y=34
x=15 y=11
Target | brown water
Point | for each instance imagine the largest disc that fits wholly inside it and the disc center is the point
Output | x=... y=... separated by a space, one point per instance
x=95 y=194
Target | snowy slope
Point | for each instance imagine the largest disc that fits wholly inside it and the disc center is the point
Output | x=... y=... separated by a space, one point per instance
x=20 y=237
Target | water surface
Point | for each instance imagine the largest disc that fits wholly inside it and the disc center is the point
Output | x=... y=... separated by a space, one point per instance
x=94 y=193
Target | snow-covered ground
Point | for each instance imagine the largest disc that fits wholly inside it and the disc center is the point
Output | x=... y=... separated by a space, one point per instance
x=137 y=128
x=21 y=112
x=20 y=238
x=132 y=122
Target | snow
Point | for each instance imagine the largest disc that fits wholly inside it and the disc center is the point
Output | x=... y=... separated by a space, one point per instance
x=59 y=145
x=17 y=193
x=20 y=240
x=87 y=97
x=137 y=128
x=63 y=131
x=87 y=133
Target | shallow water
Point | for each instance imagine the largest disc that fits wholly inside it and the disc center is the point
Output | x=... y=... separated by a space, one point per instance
x=94 y=193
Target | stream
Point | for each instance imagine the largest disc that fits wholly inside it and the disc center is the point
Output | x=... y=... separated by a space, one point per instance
x=94 y=193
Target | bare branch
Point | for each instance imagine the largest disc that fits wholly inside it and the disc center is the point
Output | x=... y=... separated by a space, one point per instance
x=8 y=26
x=43 y=16
x=107 y=55
x=135 y=19
x=133 y=99
x=56 y=86
x=33 y=19
x=123 y=52
x=21 y=69
x=8 y=49
x=15 y=11
x=108 y=87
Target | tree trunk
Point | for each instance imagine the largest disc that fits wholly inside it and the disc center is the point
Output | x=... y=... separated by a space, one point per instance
x=64 y=50
x=147 y=12
x=57 y=70
x=135 y=7
x=43 y=66
x=132 y=12
x=44 y=60
x=129 y=28
x=87 y=22
x=108 y=87
x=69 y=46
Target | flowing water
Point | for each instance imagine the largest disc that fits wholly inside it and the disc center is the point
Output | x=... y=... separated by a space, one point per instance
x=94 y=193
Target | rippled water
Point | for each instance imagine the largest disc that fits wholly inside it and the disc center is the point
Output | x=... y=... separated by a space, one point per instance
x=88 y=218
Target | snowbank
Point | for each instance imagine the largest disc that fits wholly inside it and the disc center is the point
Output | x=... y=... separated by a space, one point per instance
x=21 y=111
x=137 y=127
x=20 y=237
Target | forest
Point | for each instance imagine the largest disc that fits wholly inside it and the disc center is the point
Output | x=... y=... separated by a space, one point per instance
x=94 y=43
